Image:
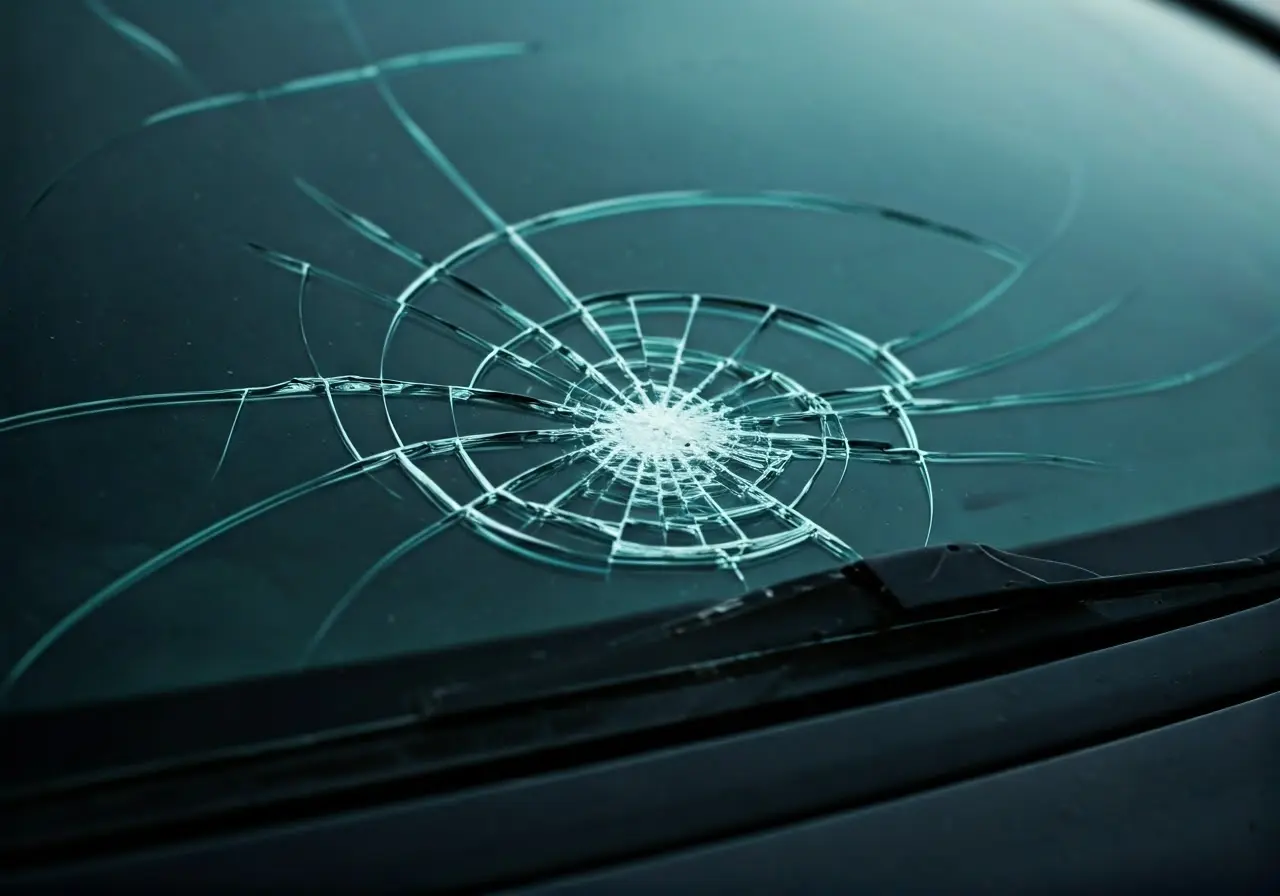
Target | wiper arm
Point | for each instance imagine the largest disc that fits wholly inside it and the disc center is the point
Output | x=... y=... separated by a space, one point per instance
x=884 y=627
x=929 y=607
x=958 y=579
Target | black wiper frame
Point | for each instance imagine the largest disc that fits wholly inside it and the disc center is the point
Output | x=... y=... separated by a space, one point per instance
x=894 y=626
x=892 y=599
x=956 y=579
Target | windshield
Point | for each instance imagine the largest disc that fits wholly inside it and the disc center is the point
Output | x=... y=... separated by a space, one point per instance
x=337 y=330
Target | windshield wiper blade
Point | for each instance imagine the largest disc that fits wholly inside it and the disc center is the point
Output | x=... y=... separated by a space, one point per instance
x=964 y=578
x=911 y=604
x=887 y=627
x=958 y=579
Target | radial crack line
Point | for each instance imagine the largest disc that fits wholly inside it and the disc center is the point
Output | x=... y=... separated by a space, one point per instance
x=726 y=520
x=587 y=369
x=666 y=526
x=616 y=547
x=299 y=387
x=379 y=236
x=823 y=414
x=156 y=400
x=968 y=371
x=305 y=269
x=852 y=397
x=878 y=356
x=845 y=445
x=995 y=553
x=226 y=446
x=1096 y=393
x=446 y=167
x=680 y=347
x=136 y=35
x=961 y=317
x=579 y=485
x=555 y=346
x=1013 y=457
x=810 y=327
x=402 y=455
x=343 y=77
x=676 y=199
x=615 y=474
x=801 y=443
x=1065 y=218
x=702 y=198
x=498 y=490
x=908 y=430
x=670 y=200
x=55 y=632
x=558 y=286
x=909 y=457
x=731 y=360
x=790 y=515
x=390 y=558
x=303 y=279
x=724 y=517
x=156 y=48
x=148 y=44
x=424 y=143
x=635 y=319
x=755 y=381
x=811 y=416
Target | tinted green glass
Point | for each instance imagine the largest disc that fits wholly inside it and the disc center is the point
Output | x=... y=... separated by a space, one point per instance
x=337 y=330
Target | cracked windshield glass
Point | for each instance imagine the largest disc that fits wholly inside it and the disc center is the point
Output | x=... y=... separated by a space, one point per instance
x=339 y=329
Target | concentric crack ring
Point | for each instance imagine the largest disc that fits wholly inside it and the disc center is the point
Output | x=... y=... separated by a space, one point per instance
x=676 y=454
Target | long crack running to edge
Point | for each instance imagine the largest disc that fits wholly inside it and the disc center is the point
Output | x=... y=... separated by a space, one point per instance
x=672 y=454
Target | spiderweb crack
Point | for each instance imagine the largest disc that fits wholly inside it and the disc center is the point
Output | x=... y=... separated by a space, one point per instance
x=670 y=454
